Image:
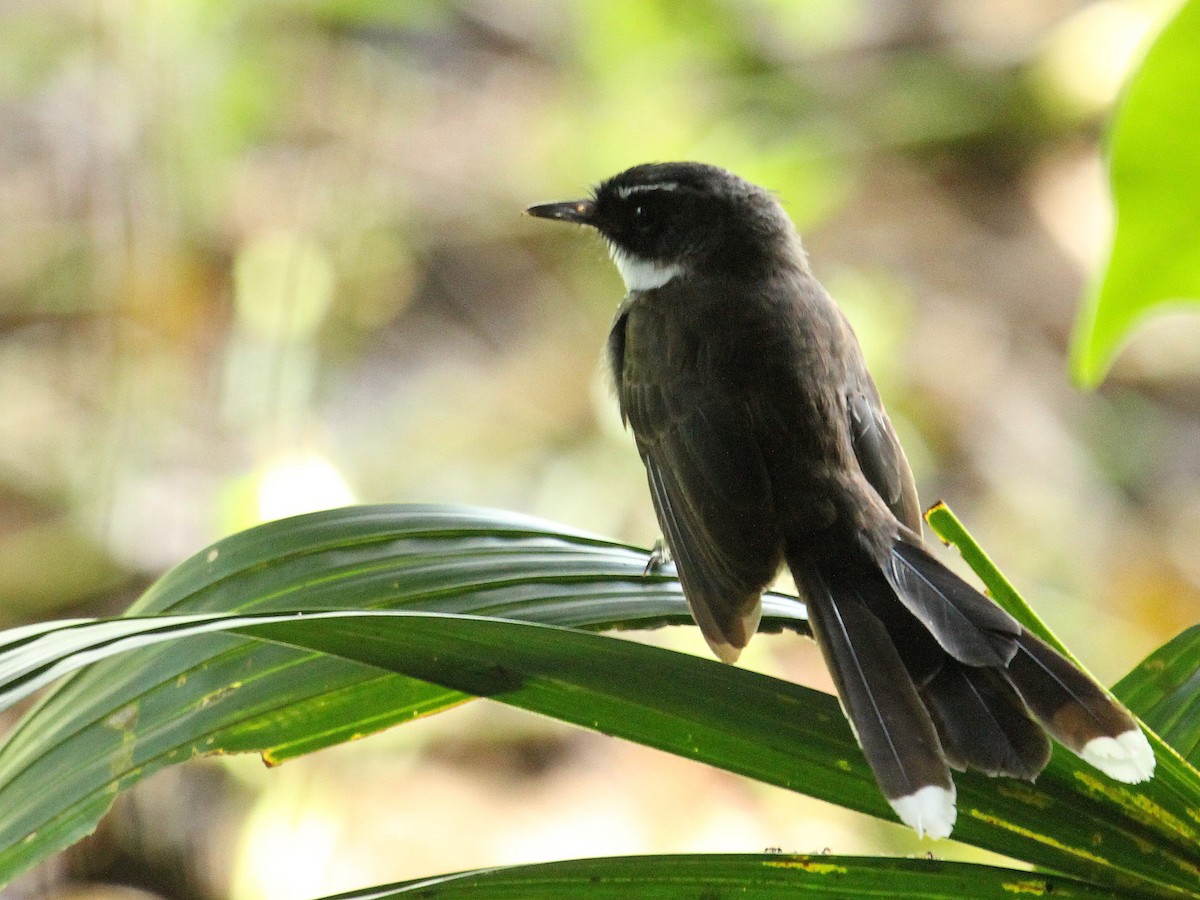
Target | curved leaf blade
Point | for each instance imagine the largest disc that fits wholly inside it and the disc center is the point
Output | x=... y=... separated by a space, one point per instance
x=947 y=526
x=1173 y=771
x=748 y=723
x=219 y=693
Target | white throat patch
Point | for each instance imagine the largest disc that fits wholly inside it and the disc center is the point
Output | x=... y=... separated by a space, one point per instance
x=642 y=274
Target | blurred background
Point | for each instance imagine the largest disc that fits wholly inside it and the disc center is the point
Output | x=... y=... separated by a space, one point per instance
x=263 y=258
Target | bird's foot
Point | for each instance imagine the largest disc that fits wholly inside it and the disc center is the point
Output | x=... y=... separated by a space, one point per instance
x=660 y=555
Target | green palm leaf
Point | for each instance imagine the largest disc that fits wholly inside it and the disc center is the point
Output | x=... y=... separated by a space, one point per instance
x=449 y=586
x=715 y=875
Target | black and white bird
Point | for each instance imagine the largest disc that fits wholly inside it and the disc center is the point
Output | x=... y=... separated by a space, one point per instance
x=765 y=443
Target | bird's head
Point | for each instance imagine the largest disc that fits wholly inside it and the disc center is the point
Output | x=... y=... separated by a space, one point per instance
x=663 y=220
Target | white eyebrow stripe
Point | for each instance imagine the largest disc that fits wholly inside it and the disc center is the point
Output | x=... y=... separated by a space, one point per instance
x=625 y=192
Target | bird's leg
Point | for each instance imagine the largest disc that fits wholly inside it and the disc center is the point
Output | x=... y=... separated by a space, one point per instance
x=660 y=555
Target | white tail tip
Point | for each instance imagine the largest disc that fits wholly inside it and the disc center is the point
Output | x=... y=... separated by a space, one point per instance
x=1127 y=757
x=724 y=651
x=930 y=811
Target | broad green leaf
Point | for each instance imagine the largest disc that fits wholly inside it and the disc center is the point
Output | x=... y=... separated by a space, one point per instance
x=717 y=875
x=157 y=705
x=1164 y=690
x=1154 y=261
x=762 y=727
x=222 y=694
x=1073 y=820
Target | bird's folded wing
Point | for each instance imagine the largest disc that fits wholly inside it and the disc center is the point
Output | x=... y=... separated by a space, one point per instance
x=879 y=454
x=712 y=494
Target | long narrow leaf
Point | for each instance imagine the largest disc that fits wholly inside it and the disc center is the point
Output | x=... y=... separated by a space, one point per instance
x=948 y=527
x=1164 y=689
x=1143 y=690
x=714 y=875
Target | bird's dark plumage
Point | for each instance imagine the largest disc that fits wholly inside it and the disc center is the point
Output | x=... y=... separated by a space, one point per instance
x=765 y=442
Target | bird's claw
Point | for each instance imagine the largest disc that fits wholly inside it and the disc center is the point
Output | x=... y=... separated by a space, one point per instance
x=660 y=555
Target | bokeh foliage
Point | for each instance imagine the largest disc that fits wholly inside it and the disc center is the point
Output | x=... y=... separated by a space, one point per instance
x=261 y=258
x=1154 y=261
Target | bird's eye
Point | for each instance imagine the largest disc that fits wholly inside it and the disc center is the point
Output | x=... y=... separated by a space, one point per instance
x=643 y=221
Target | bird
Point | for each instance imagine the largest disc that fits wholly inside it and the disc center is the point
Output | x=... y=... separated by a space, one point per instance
x=765 y=444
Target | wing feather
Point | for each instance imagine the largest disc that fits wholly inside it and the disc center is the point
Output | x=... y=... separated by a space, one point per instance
x=710 y=488
x=879 y=454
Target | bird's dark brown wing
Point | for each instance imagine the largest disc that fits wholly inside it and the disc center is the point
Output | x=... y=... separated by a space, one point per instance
x=879 y=454
x=710 y=489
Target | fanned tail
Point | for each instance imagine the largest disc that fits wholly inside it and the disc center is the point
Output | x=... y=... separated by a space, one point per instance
x=933 y=675
x=1079 y=713
x=974 y=703
x=983 y=724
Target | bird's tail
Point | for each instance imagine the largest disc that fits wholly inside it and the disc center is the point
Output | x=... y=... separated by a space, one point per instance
x=1079 y=713
x=933 y=675
x=878 y=694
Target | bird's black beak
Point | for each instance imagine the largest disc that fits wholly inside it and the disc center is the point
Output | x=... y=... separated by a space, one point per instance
x=581 y=211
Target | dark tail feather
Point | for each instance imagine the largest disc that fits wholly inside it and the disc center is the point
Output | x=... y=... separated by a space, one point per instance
x=893 y=728
x=971 y=628
x=1079 y=713
x=983 y=724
